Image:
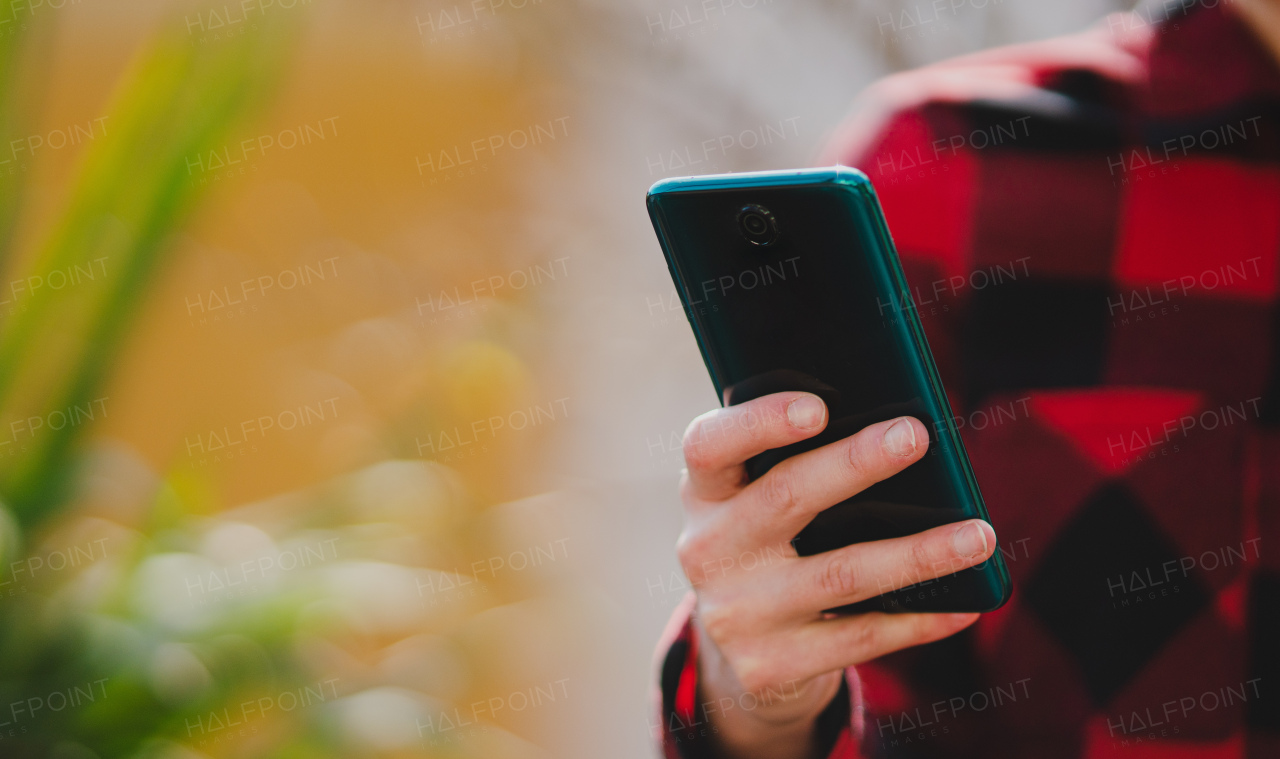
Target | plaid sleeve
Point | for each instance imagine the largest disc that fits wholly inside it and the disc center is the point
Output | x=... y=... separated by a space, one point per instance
x=684 y=726
x=971 y=188
x=1119 y=386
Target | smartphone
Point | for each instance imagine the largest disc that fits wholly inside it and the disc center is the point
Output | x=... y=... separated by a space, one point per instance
x=791 y=282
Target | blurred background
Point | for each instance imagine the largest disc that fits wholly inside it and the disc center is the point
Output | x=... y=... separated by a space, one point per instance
x=341 y=379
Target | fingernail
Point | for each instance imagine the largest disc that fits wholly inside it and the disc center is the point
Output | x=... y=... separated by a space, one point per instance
x=900 y=438
x=970 y=540
x=806 y=412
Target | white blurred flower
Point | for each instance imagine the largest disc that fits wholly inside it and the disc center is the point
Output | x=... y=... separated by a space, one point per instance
x=172 y=590
x=377 y=597
x=231 y=543
x=385 y=718
x=400 y=491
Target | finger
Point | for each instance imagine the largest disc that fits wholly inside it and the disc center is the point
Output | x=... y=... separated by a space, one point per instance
x=717 y=443
x=779 y=504
x=865 y=570
x=832 y=644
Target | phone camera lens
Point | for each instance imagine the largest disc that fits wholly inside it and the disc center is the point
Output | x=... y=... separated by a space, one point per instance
x=757 y=225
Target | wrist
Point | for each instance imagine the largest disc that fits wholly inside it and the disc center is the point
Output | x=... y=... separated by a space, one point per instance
x=779 y=722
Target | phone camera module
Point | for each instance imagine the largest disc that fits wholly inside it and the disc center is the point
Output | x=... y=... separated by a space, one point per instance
x=757 y=224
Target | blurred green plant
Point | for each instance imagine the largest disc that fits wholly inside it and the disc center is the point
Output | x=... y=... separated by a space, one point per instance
x=131 y=193
x=20 y=87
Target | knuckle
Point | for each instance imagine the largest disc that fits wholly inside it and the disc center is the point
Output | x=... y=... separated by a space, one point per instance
x=859 y=460
x=866 y=634
x=698 y=444
x=925 y=628
x=778 y=488
x=686 y=491
x=760 y=666
x=690 y=549
x=760 y=422
x=756 y=674
x=920 y=560
x=719 y=622
x=839 y=577
x=702 y=556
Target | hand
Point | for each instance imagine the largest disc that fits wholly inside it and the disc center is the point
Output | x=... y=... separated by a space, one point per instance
x=769 y=659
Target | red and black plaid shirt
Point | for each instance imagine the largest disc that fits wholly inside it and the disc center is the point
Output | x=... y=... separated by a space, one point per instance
x=1090 y=226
